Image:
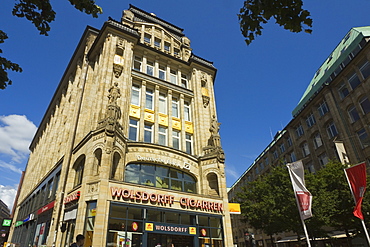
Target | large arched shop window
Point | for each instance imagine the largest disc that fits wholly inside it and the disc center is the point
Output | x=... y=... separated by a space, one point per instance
x=160 y=176
x=79 y=166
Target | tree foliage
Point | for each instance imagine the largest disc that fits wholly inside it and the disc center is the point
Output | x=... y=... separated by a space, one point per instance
x=268 y=203
x=41 y=14
x=287 y=13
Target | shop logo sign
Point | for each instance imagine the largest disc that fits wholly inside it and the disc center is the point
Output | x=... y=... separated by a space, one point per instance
x=166 y=228
x=149 y=227
x=186 y=165
x=7 y=222
x=192 y=230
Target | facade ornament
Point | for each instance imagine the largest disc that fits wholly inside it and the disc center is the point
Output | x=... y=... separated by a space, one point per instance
x=117 y=70
x=214 y=142
x=113 y=113
x=205 y=100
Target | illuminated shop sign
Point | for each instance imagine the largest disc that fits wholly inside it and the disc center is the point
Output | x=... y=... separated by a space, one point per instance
x=18 y=223
x=72 y=197
x=46 y=208
x=185 y=165
x=165 y=200
x=166 y=228
x=29 y=217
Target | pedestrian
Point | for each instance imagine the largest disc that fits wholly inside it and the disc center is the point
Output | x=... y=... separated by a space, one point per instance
x=80 y=240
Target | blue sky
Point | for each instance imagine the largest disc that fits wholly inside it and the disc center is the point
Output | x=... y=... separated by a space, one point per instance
x=257 y=86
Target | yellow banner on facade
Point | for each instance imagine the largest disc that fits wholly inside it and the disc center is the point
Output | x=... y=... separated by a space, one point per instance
x=234 y=208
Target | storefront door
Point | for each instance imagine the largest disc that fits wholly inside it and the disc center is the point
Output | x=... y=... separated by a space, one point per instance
x=169 y=240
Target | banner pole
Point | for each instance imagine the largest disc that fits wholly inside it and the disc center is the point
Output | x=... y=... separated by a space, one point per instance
x=303 y=224
x=354 y=199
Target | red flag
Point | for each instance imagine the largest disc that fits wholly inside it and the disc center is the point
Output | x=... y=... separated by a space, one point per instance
x=304 y=197
x=356 y=176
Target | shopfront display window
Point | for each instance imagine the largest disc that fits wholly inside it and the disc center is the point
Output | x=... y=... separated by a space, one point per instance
x=90 y=222
x=134 y=226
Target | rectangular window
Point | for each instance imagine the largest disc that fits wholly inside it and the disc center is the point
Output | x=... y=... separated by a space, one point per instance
x=149 y=102
x=365 y=68
x=162 y=72
x=323 y=108
x=176 y=139
x=282 y=148
x=189 y=143
x=310 y=167
x=184 y=81
x=135 y=95
x=148 y=132
x=162 y=135
x=187 y=111
x=133 y=130
x=299 y=131
x=176 y=52
x=332 y=130
x=365 y=105
x=157 y=43
x=289 y=141
x=147 y=38
x=267 y=162
x=175 y=107
x=363 y=137
x=167 y=46
x=305 y=149
x=323 y=159
x=353 y=80
x=137 y=63
x=150 y=68
x=310 y=120
x=317 y=140
x=343 y=90
x=162 y=103
x=293 y=158
x=173 y=76
x=275 y=154
x=353 y=114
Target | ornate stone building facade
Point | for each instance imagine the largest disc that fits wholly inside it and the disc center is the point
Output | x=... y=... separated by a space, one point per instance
x=128 y=152
x=331 y=121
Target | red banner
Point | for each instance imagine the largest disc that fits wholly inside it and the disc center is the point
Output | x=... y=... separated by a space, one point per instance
x=357 y=179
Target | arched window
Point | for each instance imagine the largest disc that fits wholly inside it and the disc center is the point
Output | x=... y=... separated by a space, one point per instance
x=160 y=176
x=79 y=170
x=213 y=184
x=116 y=159
x=97 y=161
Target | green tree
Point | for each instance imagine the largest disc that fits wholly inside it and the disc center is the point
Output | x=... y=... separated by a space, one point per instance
x=333 y=203
x=268 y=203
x=41 y=14
x=288 y=13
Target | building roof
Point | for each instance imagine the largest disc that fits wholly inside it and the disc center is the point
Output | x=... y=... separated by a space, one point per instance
x=143 y=16
x=332 y=66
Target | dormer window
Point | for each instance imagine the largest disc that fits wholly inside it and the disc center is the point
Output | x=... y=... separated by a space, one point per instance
x=157 y=43
x=176 y=52
x=147 y=38
x=167 y=46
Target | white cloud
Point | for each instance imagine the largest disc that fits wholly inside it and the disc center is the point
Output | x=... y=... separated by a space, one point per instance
x=10 y=167
x=7 y=194
x=16 y=133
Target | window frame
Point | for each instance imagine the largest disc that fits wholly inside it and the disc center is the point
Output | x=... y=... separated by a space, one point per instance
x=133 y=127
x=135 y=92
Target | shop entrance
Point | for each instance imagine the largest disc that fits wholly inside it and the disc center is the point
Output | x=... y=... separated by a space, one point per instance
x=169 y=240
